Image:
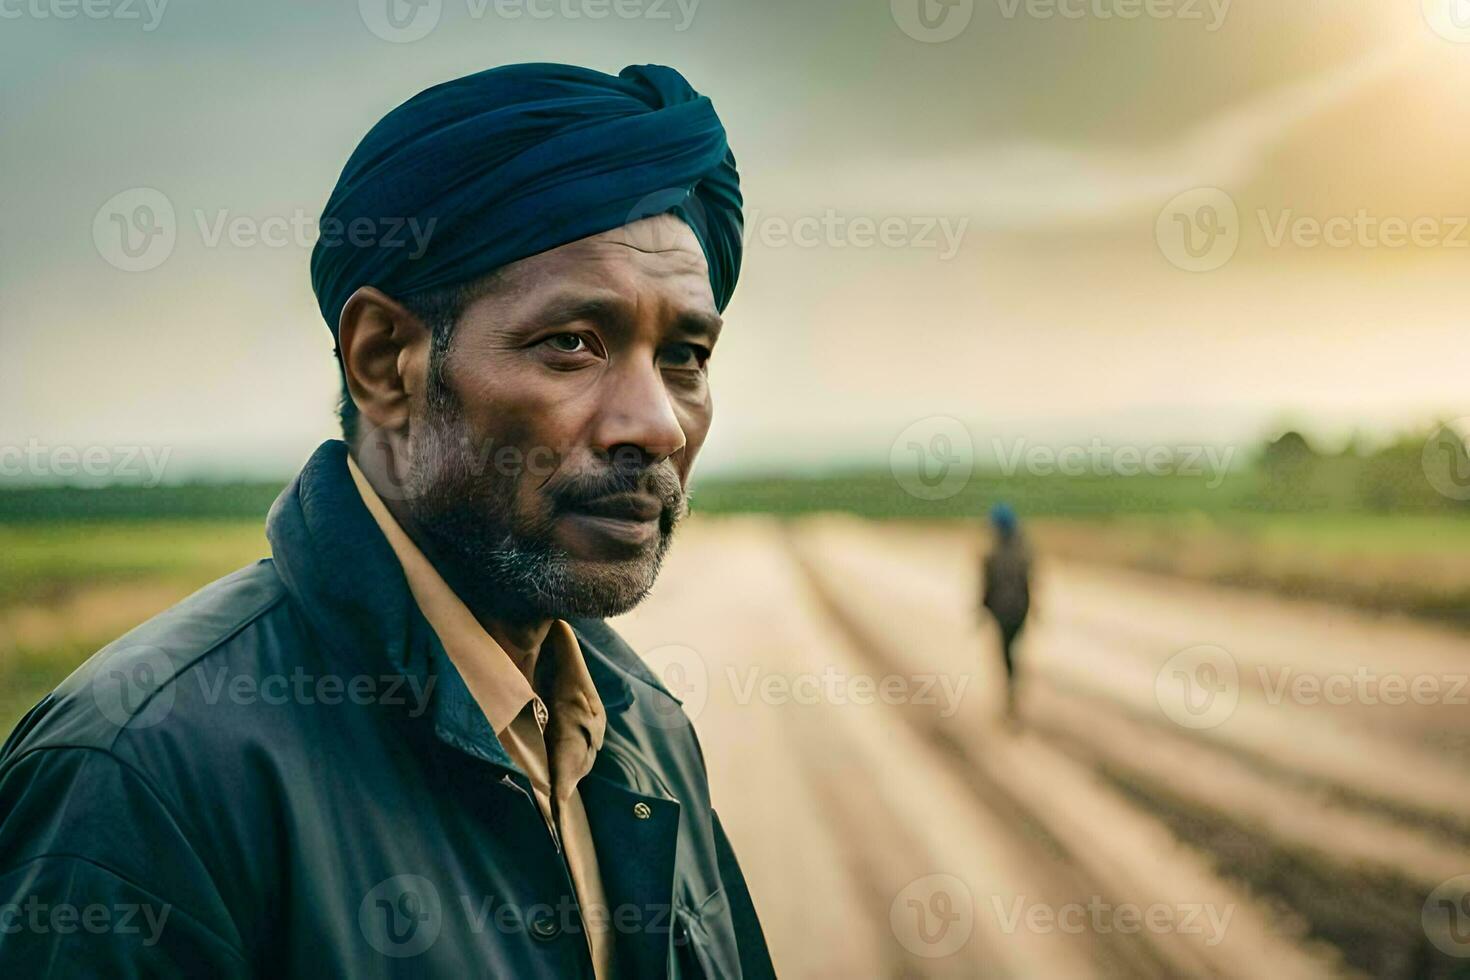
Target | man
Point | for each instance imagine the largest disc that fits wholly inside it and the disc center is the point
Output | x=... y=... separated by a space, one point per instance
x=1006 y=590
x=407 y=744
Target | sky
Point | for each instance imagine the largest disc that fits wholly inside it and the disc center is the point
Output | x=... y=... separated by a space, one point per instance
x=1057 y=221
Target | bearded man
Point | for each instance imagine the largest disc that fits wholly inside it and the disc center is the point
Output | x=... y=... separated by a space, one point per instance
x=407 y=744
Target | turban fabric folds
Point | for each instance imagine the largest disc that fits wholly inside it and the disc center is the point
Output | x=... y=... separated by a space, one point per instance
x=512 y=161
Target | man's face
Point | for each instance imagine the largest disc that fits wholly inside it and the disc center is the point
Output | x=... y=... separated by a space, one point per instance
x=550 y=456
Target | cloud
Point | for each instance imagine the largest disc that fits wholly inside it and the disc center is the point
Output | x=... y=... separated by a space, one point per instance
x=1028 y=185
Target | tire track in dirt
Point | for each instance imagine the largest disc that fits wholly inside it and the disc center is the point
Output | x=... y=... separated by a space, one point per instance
x=1352 y=868
x=847 y=784
x=1116 y=954
x=1255 y=941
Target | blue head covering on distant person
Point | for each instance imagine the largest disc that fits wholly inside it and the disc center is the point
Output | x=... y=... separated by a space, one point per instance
x=475 y=173
x=1003 y=519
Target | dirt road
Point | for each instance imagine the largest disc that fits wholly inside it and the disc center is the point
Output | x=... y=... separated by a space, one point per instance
x=1205 y=782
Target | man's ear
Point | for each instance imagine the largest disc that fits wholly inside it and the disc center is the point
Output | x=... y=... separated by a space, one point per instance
x=385 y=357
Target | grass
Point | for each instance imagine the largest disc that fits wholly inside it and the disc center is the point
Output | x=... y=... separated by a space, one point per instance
x=189 y=501
x=48 y=560
x=878 y=495
x=69 y=588
x=1411 y=564
x=1395 y=535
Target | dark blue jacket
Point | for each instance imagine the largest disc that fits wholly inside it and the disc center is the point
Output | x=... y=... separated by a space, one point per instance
x=284 y=776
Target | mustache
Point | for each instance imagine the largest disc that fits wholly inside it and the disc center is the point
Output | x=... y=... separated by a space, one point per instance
x=660 y=481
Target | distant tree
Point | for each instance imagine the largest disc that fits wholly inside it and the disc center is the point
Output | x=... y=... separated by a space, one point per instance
x=1291 y=448
x=1290 y=466
x=1444 y=462
x=1391 y=479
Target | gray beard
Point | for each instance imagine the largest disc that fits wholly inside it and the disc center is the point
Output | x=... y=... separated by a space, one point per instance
x=497 y=568
x=538 y=580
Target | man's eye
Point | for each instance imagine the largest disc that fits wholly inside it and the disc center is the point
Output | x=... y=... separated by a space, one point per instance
x=567 y=343
x=684 y=356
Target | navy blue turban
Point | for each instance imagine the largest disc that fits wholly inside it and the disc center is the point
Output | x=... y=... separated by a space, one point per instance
x=478 y=172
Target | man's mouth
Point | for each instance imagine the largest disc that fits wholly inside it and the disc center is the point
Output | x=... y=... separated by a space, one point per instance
x=626 y=518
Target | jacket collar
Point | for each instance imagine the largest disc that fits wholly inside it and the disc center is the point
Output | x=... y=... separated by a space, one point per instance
x=346 y=580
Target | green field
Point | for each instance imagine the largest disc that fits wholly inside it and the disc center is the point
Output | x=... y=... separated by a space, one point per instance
x=1387 y=535
x=44 y=560
x=879 y=495
x=82 y=566
x=68 y=588
x=1406 y=564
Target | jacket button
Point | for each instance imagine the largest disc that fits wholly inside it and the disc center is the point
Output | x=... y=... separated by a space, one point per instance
x=642 y=811
x=545 y=927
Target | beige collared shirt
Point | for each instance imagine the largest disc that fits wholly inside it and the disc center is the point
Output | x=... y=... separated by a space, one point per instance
x=553 y=743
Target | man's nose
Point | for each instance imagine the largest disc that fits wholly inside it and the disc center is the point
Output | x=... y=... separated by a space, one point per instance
x=637 y=425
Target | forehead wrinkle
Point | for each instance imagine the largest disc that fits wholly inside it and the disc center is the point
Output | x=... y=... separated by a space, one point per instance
x=620 y=260
x=691 y=250
x=651 y=251
x=584 y=272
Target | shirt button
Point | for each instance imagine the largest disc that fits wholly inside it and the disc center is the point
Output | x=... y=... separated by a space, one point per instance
x=642 y=811
x=539 y=710
x=545 y=927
